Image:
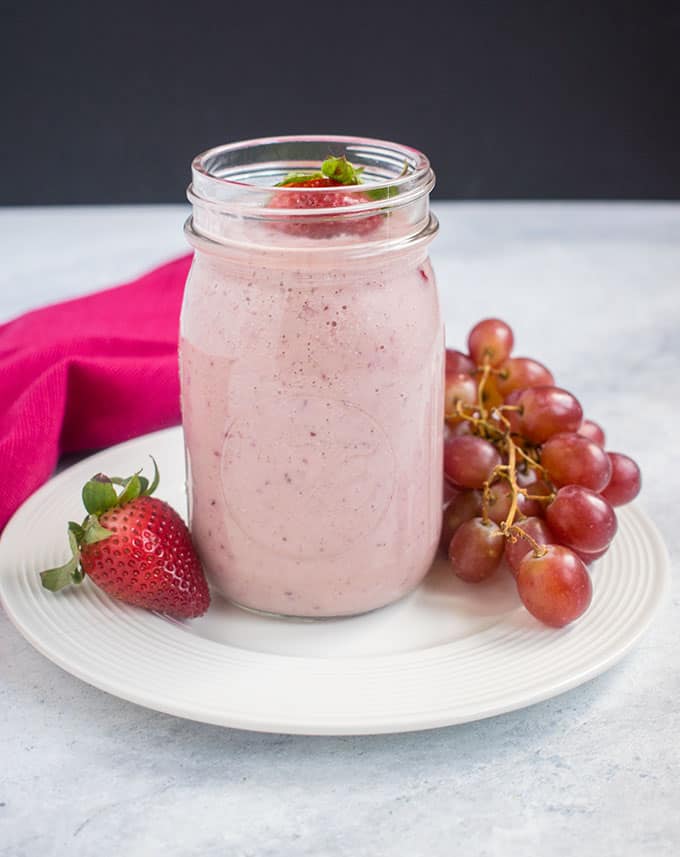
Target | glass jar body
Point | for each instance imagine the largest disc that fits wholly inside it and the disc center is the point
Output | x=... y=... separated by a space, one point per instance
x=312 y=408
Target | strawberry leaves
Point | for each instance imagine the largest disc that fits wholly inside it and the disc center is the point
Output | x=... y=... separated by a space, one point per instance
x=99 y=495
x=132 y=488
x=88 y=533
x=93 y=531
x=55 y=579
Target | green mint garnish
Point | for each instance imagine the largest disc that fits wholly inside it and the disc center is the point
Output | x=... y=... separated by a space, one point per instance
x=342 y=171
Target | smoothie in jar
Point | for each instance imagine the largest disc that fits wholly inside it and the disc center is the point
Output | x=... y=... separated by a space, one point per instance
x=311 y=359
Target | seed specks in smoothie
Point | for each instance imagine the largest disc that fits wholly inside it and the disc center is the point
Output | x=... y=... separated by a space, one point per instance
x=299 y=390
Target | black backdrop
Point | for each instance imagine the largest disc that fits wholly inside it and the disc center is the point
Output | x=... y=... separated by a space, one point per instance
x=108 y=102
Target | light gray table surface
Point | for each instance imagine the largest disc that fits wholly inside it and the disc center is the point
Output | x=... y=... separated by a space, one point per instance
x=593 y=290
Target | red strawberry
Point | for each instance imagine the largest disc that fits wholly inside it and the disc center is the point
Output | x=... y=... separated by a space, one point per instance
x=335 y=172
x=136 y=548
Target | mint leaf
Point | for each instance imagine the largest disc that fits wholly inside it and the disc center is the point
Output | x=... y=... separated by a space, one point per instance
x=296 y=178
x=340 y=170
x=387 y=192
x=337 y=169
x=382 y=193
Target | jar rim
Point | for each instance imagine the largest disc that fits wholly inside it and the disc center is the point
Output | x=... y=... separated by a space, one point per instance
x=223 y=177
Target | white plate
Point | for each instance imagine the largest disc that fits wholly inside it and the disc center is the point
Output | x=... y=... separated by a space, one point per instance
x=448 y=653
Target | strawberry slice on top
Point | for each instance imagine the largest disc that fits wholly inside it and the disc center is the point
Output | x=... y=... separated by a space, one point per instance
x=334 y=173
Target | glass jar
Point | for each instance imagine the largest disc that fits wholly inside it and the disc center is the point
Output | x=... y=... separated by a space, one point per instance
x=312 y=371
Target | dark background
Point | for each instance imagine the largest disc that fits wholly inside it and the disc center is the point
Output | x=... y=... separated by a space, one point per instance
x=108 y=102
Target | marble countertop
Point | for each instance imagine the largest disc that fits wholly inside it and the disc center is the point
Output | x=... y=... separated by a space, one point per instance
x=593 y=290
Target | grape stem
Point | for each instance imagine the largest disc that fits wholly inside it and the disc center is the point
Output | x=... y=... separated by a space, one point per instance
x=480 y=423
x=514 y=487
x=496 y=428
x=486 y=497
x=486 y=371
x=541 y=498
x=531 y=461
x=516 y=530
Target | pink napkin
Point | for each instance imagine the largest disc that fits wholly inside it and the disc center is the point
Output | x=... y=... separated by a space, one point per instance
x=87 y=373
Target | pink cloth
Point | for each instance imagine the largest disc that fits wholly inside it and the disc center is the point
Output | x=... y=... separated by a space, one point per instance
x=85 y=374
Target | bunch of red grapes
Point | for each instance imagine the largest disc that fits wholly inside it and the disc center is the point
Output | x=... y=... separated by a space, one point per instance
x=527 y=479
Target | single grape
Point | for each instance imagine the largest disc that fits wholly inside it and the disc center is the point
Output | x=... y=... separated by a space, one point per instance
x=519 y=373
x=533 y=507
x=593 y=431
x=492 y=340
x=554 y=587
x=581 y=519
x=545 y=411
x=500 y=501
x=572 y=459
x=589 y=558
x=476 y=550
x=515 y=551
x=458 y=363
x=463 y=506
x=469 y=460
x=625 y=482
x=460 y=387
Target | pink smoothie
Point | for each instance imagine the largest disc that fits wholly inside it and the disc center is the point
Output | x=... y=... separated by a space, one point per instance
x=312 y=405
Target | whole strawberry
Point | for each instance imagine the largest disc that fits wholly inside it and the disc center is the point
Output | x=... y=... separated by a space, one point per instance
x=135 y=547
x=334 y=173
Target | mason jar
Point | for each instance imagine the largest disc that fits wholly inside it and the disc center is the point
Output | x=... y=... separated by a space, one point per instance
x=312 y=372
